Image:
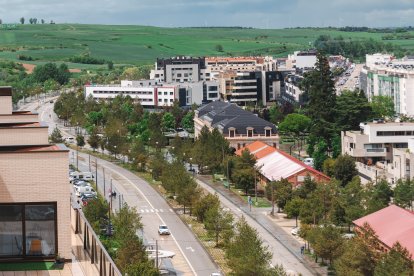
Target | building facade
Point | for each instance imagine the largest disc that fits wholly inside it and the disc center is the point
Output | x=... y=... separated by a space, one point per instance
x=34 y=188
x=383 y=75
x=238 y=126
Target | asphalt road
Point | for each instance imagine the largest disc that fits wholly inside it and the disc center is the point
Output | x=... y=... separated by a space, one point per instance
x=190 y=257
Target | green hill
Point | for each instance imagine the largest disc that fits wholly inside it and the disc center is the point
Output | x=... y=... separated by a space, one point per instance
x=143 y=44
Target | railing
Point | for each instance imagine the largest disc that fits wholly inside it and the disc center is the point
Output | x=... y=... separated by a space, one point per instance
x=99 y=257
x=376 y=150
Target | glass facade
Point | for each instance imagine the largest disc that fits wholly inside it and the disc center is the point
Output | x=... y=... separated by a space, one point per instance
x=28 y=230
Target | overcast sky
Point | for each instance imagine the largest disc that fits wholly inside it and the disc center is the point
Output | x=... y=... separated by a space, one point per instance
x=247 y=13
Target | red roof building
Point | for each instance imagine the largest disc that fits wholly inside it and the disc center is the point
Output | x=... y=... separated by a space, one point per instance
x=275 y=164
x=391 y=224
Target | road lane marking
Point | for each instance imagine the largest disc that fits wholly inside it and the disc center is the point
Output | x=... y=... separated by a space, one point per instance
x=172 y=236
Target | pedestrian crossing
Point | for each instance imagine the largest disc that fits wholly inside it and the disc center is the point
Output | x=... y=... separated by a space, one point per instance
x=150 y=210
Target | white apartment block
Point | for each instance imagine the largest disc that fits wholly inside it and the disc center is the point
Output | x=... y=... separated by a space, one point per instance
x=303 y=59
x=381 y=150
x=152 y=94
x=383 y=75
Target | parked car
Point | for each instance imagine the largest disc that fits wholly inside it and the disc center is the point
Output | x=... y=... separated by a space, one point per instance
x=87 y=197
x=163 y=230
x=78 y=184
x=308 y=161
x=85 y=190
x=295 y=231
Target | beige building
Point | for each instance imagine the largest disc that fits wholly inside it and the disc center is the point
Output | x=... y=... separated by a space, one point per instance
x=382 y=150
x=34 y=190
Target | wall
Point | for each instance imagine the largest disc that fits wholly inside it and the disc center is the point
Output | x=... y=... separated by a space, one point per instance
x=39 y=177
x=20 y=136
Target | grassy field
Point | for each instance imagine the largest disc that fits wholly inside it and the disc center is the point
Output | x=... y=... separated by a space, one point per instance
x=143 y=44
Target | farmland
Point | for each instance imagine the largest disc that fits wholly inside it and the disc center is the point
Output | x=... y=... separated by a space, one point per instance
x=143 y=44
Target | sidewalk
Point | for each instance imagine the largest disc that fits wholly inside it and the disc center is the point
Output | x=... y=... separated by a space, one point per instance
x=262 y=216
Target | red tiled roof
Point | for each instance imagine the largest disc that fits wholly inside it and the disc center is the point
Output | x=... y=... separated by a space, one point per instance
x=258 y=149
x=392 y=224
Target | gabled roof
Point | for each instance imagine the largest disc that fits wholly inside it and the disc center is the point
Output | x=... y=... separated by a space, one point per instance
x=258 y=149
x=224 y=115
x=392 y=224
x=278 y=165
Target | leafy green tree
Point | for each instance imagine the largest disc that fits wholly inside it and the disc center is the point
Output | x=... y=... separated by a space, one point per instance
x=110 y=65
x=56 y=136
x=345 y=169
x=351 y=198
x=126 y=223
x=80 y=140
x=396 y=262
x=275 y=114
x=95 y=211
x=327 y=242
x=295 y=125
x=328 y=167
x=382 y=106
x=219 y=224
x=22 y=20
x=352 y=108
x=115 y=134
x=136 y=73
x=244 y=178
x=293 y=208
x=141 y=268
x=204 y=204
x=157 y=165
x=319 y=86
x=378 y=196
x=219 y=48
x=188 y=121
x=356 y=260
x=404 y=193
x=282 y=192
x=168 y=121
x=138 y=154
x=246 y=253
x=50 y=85
x=94 y=140
x=320 y=154
x=309 y=185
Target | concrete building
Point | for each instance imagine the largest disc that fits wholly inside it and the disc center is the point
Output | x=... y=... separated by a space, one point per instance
x=237 y=125
x=151 y=93
x=180 y=69
x=303 y=59
x=239 y=64
x=381 y=150
x=250 y=87
x=386 y=76
x=34 y=189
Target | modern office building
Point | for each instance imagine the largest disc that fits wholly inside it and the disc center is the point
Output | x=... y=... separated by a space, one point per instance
x=238 y=126
x=384 y=75
x=34 y=189
x=152 y=94
x=180 y=69
x=303 y=59
x=250 y=87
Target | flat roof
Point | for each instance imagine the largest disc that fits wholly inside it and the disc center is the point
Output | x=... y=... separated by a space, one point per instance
x=5 y=91
x=34 y=149
x=24 y=125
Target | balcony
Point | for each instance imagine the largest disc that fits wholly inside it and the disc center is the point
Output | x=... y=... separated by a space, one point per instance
x=377 y=152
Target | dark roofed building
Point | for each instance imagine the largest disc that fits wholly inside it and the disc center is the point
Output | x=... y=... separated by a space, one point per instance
x=238 y=126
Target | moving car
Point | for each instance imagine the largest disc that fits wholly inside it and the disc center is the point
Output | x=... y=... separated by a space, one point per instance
x=163 y=230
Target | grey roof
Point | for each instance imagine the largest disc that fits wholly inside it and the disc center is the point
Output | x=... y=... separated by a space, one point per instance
x=226 y=115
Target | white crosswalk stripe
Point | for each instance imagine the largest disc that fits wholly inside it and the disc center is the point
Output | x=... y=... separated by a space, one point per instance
x=154 y=210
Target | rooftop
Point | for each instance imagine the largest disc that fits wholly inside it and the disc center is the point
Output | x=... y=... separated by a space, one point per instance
x=392 y=224
x=40 y=148
x=258 y=149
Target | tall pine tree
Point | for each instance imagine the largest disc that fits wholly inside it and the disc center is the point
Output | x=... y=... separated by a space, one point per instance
x=319 y=86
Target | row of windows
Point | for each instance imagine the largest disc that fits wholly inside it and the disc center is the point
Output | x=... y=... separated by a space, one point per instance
x=250 y=132
x=395 y=133
x=165 y=93
x=165 y=100
x=124 y=92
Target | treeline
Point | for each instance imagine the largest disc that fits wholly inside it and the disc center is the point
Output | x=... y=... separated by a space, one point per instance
x=354 y=49
x=86 y=59
x=375 y=30
x=47 y=77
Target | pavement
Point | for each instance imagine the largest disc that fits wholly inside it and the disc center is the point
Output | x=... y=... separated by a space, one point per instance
x=285 y=248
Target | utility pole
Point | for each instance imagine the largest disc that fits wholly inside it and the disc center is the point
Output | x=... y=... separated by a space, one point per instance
x=96 y=172
x=77 y=158
x=89 y=162
x=273 y=199
x=255 y=184
x=156 y=254
x=104 y=189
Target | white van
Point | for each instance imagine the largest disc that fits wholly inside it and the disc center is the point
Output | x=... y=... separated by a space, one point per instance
x=85 y=190
x=87 y=176
x=308 y=161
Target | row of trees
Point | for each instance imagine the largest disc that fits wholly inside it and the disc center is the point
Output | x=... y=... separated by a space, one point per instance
x=125 y=247
x=33 y=21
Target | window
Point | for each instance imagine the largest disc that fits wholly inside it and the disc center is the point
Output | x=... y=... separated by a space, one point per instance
x=159 y=100
x=232 y=132
x=171 y=93
x=268 y=132
x=28 y=230
x=249 y=132
x=165 y=93
x=159 y=93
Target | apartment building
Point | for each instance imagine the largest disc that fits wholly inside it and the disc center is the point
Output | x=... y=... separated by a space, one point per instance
x=303 y=59
x=381 y=150
x=152 y=94
x=250 y=87
x=238 y=126
x=240 y=64
x=180 y=69
x=387 y=76
x=34 y=188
